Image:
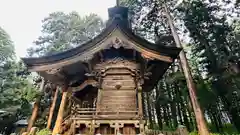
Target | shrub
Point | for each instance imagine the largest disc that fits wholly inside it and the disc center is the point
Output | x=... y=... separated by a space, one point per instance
x=44 y=132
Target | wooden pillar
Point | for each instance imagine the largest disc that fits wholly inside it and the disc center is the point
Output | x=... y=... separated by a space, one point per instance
x=201 y=124
x=93 y=127
x=51 y=110
x=34 y=114
x=35 y=108
x=141 y=127
x=140 y=106
x=140 y=109
x=58 y=123
x=98 y=101
x=116 y=128
x=74 y=127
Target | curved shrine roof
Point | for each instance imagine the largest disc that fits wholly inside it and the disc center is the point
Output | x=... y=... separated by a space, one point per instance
x=115 y=24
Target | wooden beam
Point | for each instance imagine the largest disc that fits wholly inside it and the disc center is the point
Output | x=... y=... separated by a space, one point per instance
x=35 y=108
x=51 y=110
x=58 y=123
x=140 y=107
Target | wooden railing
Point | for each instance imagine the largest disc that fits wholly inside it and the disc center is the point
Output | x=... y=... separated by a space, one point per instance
x=84 y=112
x=93 y=113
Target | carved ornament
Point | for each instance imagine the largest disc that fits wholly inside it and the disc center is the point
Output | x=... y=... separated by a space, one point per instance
x=117 y=63
x=118 y=43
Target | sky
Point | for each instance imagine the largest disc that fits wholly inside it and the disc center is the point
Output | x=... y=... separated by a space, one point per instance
x=21 y=19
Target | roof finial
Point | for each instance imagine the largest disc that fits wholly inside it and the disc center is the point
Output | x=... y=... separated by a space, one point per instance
x=117 y=3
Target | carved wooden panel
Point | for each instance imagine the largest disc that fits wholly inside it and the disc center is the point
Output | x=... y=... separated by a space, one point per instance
x=118 y=87
x=118 y=93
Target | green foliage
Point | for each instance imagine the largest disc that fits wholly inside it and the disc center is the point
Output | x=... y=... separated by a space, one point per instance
x=44 y=132
x=15 y=88
x=17 y=92
x=6 y=47
x=193 y=133
x=62 y=31
x=227 y=128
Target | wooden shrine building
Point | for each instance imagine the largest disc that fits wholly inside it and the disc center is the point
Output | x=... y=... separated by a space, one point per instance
x=104 y=78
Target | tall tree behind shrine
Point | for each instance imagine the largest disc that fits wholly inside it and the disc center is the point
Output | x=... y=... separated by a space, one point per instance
x=62 y=31
x=211 y=30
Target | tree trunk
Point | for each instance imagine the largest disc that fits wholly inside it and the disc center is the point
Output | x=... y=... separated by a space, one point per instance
x=51 y=110
x=219 y=122
x=168 y=106
x=184 y=111
x=232 y=110
x=158 y=107
x=35 y=109
x=214 y=121
x=58 y=123
x=159 y=116
x=149 y=111
x=201 y=124
x=165 y=117
x=173 y=108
